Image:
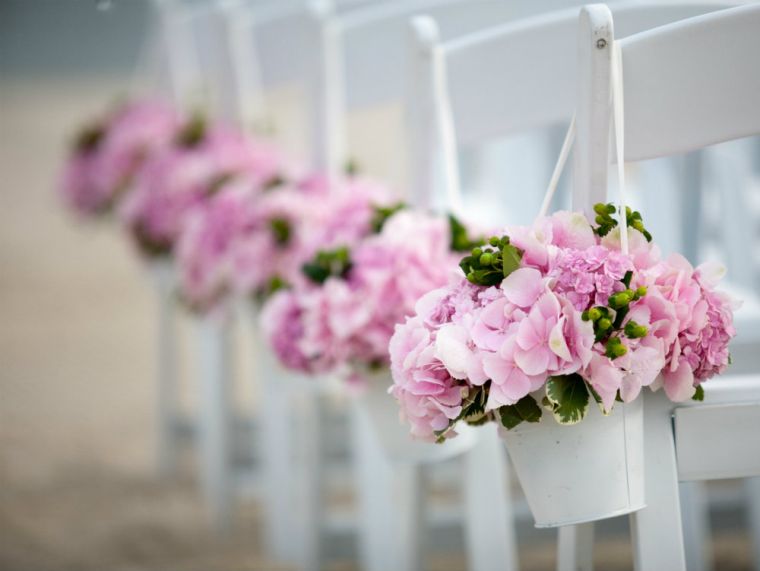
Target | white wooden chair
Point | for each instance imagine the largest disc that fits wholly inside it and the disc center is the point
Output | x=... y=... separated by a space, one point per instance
x=187 y=32
x=341 y=58
x=480 y=89
x=679 y=95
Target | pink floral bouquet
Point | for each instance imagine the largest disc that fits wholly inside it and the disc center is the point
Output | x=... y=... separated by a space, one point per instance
x=341 y=320
x=551 y=316
x=108 y=154
x=172 y=183
x=250 y=243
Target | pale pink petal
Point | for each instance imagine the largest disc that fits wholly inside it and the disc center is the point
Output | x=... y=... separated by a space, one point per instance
x=523 y=286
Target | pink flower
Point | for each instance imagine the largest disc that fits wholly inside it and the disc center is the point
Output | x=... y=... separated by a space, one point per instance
x=109 y=155
x=176 y=181
x=207 y=243
x=704 y=319
x=428 y=395
x=348 y=321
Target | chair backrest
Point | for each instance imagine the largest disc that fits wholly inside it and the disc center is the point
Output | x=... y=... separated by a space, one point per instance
x=509 y=78
x=350 y=55
x=372 y=71
x=687 y=85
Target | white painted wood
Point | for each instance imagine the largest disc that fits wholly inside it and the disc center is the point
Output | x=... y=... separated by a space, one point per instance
x=375 y=508
x=595 y=35
x=276 y=448
x=489 y=531
x=752 y=493
x=422 y=136
x=575 y=547
x=243 y=89
x=657 y=529
x=718 y=440
x=167 y=405
x=215 y=419
x=691 y=84
x=311 y=504
x=183 y=65
x=695 y=514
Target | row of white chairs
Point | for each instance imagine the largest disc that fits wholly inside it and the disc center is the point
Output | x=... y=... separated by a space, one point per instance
x=465 y=81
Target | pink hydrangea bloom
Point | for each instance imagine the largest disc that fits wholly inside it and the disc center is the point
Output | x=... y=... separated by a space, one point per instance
x=349 y=321
x=109 y=155
x=176 y=181
x=207 y=239
x=704 y=319
x=589 y=276
x=511 y=337
x=242 y=241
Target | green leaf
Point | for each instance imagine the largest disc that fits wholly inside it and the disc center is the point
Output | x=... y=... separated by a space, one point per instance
x=524 y=410
x=511 y=257
x=381 y=215
x=460 y=240
x=569 y=397
x=699 y=395
x=327 y=263
x=193 y=132
x=280 y=230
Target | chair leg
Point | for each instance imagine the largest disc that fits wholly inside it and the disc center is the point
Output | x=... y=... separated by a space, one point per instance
x=373 y=474
x=489 y=523
x=390 y=511
x=752 y=490
x=166 y=393
x=656 y=529
x=276 y=446
x=312 y=490
x=695 y=514
x=410 y=512
x=214 y=421
x=575 y=547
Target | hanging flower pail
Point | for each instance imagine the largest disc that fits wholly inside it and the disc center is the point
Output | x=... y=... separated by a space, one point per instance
x=585 y=472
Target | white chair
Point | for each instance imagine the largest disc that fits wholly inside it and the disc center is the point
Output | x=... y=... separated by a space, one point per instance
x=480 y=89
x=678 y=95
x=365 y=38
x=187 y=32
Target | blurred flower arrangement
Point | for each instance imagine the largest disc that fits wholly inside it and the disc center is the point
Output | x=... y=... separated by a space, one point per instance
x=108 y=153
x=552 y=317
x=342 y=317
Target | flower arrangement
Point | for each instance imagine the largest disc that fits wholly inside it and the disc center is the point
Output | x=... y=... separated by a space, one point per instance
x=108 y=153
x=553 y=316
x=250 y=243
x=200 y=160
x=342 y=318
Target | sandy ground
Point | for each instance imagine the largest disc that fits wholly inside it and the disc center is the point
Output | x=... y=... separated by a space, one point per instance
x=78 y=488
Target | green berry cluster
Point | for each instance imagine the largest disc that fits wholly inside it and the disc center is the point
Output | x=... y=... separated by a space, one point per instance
x=327 y=263
x=489 y=264
x=608 y=321
x=605 y=222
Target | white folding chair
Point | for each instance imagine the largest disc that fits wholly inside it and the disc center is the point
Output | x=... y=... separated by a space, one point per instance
x=679 y=95
x=193 y=53
x=478 y=88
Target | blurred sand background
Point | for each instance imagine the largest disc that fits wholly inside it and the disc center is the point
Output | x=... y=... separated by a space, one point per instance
x=78 y=484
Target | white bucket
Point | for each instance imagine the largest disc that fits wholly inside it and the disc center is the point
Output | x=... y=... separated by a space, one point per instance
x=585 y=472
x=382 y=411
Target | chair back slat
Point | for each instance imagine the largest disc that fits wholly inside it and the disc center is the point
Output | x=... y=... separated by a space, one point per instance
x=540 y=55
x=692 y=83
